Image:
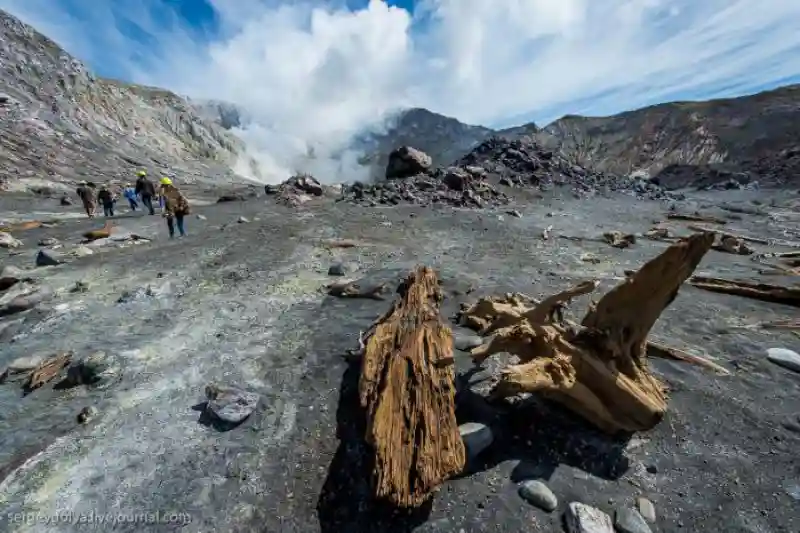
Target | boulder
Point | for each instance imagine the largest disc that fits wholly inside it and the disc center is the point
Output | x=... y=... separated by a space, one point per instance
x=407 y=161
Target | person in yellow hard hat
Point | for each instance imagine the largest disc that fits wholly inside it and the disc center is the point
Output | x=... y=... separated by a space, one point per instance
x=146 y=190
x=176 y=206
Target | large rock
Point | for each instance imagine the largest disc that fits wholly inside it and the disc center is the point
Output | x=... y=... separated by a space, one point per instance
x=230 y=404
x=407 y=161
x=8 y=241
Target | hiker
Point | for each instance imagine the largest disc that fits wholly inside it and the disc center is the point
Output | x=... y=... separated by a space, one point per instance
x=146 y=190
x=106 y=198
x=130 y=194
x=86 y=195
x=176 y=206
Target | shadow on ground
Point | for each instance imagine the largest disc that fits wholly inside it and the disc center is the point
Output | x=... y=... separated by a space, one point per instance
x=345 y=502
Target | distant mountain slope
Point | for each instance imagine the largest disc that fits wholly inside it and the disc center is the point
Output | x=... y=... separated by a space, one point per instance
x=60 y=123
x=445 y=139
x=756 y=134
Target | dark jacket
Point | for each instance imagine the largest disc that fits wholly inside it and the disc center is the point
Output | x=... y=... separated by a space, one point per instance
x=145 y=187
x=85 y=194
x=105 y=197
x=174 y=202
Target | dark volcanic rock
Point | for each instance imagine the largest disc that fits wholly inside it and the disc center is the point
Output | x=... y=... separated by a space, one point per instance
x=407 y=161
x=524 y=162
x=296 y=190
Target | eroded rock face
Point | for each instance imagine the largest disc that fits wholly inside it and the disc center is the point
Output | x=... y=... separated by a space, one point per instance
x=407 y=161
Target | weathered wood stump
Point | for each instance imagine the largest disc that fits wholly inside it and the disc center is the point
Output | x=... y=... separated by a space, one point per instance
x=407 y=387
x=597 y=369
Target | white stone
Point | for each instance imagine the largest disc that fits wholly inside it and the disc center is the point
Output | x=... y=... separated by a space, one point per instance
x=586 y=519
x=785 y=358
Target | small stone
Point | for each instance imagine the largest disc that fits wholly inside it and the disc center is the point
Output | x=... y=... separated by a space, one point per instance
x=477 y=437
x=538 y=494
x=48 y=258
x=80 y=286
x=514 y=213
x=243 y=220
x=48 y=241
x=230 y=404
x=8 y=241
x=201 y=217
x=337 y=269
x=10 y=276
x=646 y=509
x=651 y=469
x=65 y=201
x=93 y=369
x=24 y=364
x=630 y=521
x=86 y=414
x=582 y=518
x=82 y=251
x=786 y=358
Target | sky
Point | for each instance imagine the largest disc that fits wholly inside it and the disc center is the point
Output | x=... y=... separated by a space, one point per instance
x=316 y=72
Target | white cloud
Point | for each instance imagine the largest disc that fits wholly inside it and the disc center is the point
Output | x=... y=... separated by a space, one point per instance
x=313 y=74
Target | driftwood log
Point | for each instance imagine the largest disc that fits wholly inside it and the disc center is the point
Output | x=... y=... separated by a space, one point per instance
x=46 y=371
x=407 y=388
x=597 y=369
x=756 y=291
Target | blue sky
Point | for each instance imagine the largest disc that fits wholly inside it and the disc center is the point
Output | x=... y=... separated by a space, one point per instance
x=317 y=72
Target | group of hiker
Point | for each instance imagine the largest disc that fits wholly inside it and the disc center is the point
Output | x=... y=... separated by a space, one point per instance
x=174 y=205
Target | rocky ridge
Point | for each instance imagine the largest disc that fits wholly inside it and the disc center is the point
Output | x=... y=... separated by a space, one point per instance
x=748 y=138
x=55 y=113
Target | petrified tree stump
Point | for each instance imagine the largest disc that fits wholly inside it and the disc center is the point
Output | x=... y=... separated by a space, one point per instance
x=407 y=388
x=597 y=369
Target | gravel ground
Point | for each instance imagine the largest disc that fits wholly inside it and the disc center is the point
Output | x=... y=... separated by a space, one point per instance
x=239 y=303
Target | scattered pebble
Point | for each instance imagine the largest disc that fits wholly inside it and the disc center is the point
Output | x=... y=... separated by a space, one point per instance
x=466 y=342
x=8 y=241
x=538 y=494
x=477 y=437
x=82 y=251
x=48 y=241
x=646 y=509
x=80 y=286
x=514 y=213
x=48 y=258
x=786 y=358
x=10 y=276
x=201 y=217
x=93 y=369
x=337 y=269
x=582 y=518
x=86 y=414
x=628 y=520
x=230 y=404
x=243 y=220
